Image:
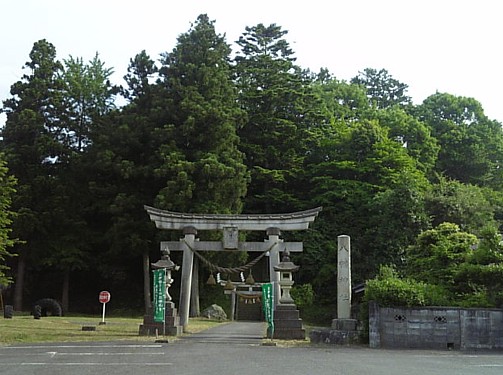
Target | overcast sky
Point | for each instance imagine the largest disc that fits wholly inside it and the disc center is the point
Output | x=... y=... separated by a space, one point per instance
x=451 y=46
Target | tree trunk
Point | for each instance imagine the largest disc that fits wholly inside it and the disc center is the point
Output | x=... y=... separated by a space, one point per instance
x=18 y=291
x=194 y=294
x=65 y=295
x=146 y=281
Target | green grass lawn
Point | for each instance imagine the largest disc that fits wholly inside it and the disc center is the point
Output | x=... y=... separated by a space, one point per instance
x=26 y=329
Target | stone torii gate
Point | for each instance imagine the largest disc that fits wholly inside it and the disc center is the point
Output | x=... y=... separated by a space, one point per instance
x=189 y=224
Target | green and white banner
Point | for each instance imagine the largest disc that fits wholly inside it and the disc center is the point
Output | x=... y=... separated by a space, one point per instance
x=159 y=295
x=268 y=305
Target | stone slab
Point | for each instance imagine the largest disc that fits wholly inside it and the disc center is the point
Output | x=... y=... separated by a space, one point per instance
x=158 y=329
x=344 y=324
x=334 y=337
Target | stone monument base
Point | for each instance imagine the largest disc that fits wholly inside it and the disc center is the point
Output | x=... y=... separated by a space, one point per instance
x=343 y=332
x=170 y=327
x=287 y=324
x=344 y=324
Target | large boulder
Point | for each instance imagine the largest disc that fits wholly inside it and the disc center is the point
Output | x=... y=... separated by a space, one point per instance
x=214 y=312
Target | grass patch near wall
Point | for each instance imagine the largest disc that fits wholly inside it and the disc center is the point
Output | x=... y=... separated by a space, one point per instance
x=26 y=329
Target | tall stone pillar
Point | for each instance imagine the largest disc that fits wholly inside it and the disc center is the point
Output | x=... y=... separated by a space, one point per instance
x=186 y=284
x=345 y=327
x=273 y=238
x=343 y=277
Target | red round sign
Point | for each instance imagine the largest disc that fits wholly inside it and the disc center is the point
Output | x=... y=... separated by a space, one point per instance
x=104 y=296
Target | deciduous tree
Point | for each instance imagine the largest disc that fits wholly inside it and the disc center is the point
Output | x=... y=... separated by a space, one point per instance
x=470 y=144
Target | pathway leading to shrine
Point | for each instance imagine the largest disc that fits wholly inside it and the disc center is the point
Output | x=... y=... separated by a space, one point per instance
x=235 y=333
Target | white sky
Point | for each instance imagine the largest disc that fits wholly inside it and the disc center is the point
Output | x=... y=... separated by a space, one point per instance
x=451 y=46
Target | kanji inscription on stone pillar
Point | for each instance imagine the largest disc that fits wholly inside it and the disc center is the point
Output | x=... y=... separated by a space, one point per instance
x=343 y=277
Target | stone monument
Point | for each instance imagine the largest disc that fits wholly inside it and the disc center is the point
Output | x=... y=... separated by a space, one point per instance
x=344 y=323
x=343 y=330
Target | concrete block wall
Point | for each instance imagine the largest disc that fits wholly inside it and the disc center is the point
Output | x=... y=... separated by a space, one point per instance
x=481 y=329
x=435 y=328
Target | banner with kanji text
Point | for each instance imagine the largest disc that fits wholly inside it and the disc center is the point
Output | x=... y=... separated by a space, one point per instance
x=159 y=294
x=268 y=305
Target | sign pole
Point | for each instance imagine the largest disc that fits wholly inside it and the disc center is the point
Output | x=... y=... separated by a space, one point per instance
x=103 y=317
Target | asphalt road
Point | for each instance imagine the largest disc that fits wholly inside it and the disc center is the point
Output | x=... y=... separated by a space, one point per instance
x=236 y=349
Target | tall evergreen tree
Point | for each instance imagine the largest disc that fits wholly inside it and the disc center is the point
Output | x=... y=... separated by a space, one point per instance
x=283 y=119
x=205 y=168
x=124 y=160
x=87 y=97
x=142 y=70
x=48 y=120
x=383 y=90
x=7 y=190
x=31 y=143
x=202 y=163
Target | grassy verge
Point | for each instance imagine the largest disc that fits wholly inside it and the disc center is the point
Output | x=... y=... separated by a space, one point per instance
x=25 y=329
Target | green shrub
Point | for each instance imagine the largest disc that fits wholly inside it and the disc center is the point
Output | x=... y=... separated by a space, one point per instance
x=476 y=299
x=319 y=315
x=388 y=289
x=303 y=295
x=436 y=295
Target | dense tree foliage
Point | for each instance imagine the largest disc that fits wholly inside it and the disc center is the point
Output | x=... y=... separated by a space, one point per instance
x=470 y=144
x=463 y=204
x=88 y=95
x=469 y=270
x=203 y=113
x=283 y=116
x=31 y=141
x=417 y=187
x=383 y=90
x=7 y=190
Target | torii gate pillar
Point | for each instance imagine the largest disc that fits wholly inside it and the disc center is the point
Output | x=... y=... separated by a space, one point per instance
x=273 y=240
x=187 y=267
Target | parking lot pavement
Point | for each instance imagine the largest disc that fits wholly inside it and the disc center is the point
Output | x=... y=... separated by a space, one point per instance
x=236 y=348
